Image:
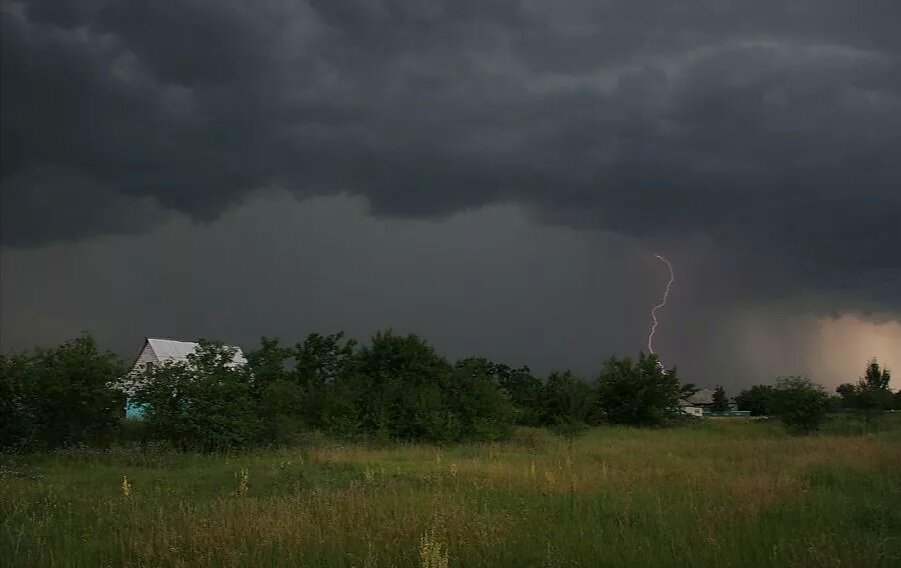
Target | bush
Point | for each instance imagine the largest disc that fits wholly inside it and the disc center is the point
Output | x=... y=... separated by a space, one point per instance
x=203 y=403
x=638 y=393
x=62 y=396
x=482 y=409
x=756 y=400
x=567 y=403
x=801 y=404
x=871 y=396
x=281 y=405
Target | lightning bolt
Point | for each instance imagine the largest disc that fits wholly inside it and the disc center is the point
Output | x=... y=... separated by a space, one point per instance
x=661 y=305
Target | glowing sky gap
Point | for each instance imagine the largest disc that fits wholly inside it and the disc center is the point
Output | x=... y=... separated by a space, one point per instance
x=662 y=304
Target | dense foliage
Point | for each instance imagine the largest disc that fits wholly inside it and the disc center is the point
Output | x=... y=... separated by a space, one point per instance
x=203 y=403
x=871 y=395
x=61 y=396
x=396 y=387
x=800 y=404
x=638 y=392
x=720 y=400
x=756 y=400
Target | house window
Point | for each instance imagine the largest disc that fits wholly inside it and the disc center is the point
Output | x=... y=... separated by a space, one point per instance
x=148 y=366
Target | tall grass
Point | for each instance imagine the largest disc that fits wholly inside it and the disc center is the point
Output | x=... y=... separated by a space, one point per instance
x=721 y=493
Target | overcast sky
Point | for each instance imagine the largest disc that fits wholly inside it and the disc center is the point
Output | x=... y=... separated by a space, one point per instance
x=494 y=175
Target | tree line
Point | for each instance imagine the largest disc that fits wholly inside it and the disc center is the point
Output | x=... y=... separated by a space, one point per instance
x=868 y=398
x=395 y=388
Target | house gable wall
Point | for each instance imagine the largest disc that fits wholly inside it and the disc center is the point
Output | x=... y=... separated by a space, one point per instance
x=147 y=356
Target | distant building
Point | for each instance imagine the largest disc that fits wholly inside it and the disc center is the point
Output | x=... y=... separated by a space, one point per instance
x=702 y=399
x=159 y=351
x=701 y=404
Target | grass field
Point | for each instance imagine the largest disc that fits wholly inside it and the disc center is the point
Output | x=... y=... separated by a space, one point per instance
x=717 y=494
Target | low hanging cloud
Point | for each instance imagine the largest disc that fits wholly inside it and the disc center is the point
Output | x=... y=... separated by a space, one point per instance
x=771 y=128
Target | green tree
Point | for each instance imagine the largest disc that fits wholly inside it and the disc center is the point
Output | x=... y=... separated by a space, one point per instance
x=18 y=420
x=524 y=389
x=756 y=400
x=871 y=395
x=280 y=400
x=720 y=400
x=568 y=401
x=204 y=403
x=323 y=359
x=269 y=363
x=847 y=392
x=638 y=392
x=800 y=404
x=324 y=366
x=479 y=408
x=404 y=390
x=60 y=396
x=396 y=382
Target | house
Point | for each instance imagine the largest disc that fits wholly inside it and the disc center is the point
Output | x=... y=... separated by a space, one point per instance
x=159 y=351
x=701 y=404
x=702 y=399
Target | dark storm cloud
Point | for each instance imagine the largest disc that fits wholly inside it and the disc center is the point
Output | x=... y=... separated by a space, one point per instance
x=772 y=127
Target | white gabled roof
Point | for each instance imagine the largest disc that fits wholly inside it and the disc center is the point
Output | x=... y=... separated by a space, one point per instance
x=171 y=350
x=167 y=350
x=703 y=396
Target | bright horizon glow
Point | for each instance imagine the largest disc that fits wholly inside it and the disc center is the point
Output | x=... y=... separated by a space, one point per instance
x=830 y=350
x=843 y=345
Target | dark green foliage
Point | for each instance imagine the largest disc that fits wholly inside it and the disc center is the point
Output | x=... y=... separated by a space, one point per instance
x=61 y=396
x=720 y=400
x=568 y=401
x=395 y=388
x=638 y=393
x=800 y=404
x=323 y=371
x=281 y=411
x=526 y=393
x=396 y=381
x=847 y=393
x=756 y=400
x=323 y=359
x=269 y=363
x=280 y=400
x=525 y=390
x=483 y=409
x=309 y=387
x=870 y=396
x=17 y=414
x=203 y=403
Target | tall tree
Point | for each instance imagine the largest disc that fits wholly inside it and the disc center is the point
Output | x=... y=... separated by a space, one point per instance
x=720 y=400
x=323 y=365
x=524 y=389
x=800 y=403
x=268 y=363
x=59 y=396
x=567 y=401
x=397 y=384
x=638 y=392
x=871 y=395
x=756 y=400
x=202 y=403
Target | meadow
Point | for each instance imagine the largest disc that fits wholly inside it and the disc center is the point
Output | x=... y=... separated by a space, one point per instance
x=726 y=493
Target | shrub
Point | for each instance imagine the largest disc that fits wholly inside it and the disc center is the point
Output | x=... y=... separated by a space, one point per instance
x=61 y=396
x=203 y=403
x=800 y=404
x=638 y=393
